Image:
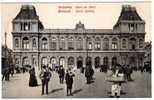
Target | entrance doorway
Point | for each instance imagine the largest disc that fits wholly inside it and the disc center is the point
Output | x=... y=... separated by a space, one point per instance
x=79 y=62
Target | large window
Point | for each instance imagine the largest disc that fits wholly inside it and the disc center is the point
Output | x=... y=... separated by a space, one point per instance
x=62 y=43
x=141 y=43
x=70 y=44
x=132 y=43
x=124 y=43
x=97 y=43
x=53 y=43
x=25 y=43
x=79 y=43
x=16 y=43
x=89 y=43
x=114 y=43
x=106 y=43
x=44 y=43
x=34 y=43
x=25 y=26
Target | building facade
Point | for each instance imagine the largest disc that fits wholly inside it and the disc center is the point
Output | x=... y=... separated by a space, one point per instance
x=34 y=45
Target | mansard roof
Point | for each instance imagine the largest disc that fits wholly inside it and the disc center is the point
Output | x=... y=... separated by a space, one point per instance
x=27 y=12
x=77 y=31
x=129 y=13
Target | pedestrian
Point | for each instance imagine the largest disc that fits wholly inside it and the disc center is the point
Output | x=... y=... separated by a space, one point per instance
x=88 y=74
x=32 y=79
x=45 y=76
x=61 y=73
x=69 y=81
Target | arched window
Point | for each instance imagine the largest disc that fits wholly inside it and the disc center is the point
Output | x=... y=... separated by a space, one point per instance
x=34 y=43
x=70 y=44
x=114 y=43
x=124 y=43
x=62 y=43
x=53 y=43
x=132 y=43
x=79 y=43
x=44 y=43
x=16 y=43
x=97 y=43
x=25 y=43
x=106 y=43
x=89 y=43
x=141 y=43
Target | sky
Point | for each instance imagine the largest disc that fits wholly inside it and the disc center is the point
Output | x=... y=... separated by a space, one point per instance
x=103 y=16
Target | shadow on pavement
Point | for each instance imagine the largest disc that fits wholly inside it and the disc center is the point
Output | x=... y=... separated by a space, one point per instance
x=56 y=90
x=77 y=91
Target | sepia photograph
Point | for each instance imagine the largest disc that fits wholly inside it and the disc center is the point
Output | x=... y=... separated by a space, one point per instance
x=76 y=50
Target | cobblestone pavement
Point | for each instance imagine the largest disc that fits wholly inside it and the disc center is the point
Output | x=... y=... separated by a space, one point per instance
x=18 y=87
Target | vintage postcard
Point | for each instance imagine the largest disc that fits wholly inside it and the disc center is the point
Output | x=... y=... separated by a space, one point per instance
x=76 y=50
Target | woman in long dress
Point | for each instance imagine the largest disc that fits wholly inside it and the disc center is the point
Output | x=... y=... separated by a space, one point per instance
x=32 y=79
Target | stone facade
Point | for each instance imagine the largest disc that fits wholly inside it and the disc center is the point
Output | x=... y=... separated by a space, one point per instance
x=34 y=45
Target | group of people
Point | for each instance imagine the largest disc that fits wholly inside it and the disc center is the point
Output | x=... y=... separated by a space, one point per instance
x=6 y=72
x=46 y=74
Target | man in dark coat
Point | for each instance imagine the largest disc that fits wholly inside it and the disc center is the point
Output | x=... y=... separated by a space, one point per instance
x=61 y=73
x=45 y=76
x=69 y=81
x=88 y=74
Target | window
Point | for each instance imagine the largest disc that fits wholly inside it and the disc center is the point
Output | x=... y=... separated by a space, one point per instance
x=124 y=43
x=133 y=43
x=132 y=27
x=114 y=43
x=44 y=43
x=34 y=43
x=106 y=43
x=16 y=43
x=79 y=43
x=89 y=43
x=53 y=43
x=141 y=43
x=62 y=43
x=25 y=61
x=44 y=61
x=25 y=43
x=70 y=43
x=97 y=43
x=25 y=26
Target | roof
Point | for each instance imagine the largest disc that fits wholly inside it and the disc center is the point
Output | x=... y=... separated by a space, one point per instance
x=129 y=13
x=27 y=12
x=77 y=31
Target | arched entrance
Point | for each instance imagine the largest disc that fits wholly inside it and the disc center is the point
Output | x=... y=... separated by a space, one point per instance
x=79 y=62
x=25 y=61
x=97 y=62
x=89 y=61
x=70 y=62
x=53 y=62
x=105 y=61
x=44 y=61
x=132 y=62
x=62 y=61
x=114 y=61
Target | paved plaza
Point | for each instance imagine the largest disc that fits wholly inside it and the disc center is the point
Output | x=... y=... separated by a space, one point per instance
x=18 y=87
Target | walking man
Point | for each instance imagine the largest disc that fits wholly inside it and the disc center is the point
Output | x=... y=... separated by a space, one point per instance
x=69 y=81
x=45 y=76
